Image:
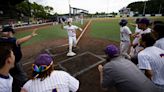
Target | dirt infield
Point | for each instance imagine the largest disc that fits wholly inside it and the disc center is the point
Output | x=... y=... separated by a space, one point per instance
x=83 y=66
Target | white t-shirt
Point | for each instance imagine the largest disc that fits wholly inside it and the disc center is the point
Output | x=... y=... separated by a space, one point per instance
x=152 y=58
x=125 y=33
x=59 y=80
x=137 y=30
x=6 y=83
x=71 y=30
x=148 y=30
x=160 y=43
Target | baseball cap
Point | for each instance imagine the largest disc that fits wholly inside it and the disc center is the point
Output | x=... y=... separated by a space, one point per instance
x=112 y=50
x=123 y=22
x=43 y=59
x=144 y=21
x=42 y=63
x=8 y=29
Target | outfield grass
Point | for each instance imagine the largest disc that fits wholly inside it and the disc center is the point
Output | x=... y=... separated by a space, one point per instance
x=49 y=33
x=100 y=29
x=106 y=29
x=52 y=32
x=109 y=29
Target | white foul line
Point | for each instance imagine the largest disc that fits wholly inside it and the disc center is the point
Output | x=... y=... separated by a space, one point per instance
x=83 y=31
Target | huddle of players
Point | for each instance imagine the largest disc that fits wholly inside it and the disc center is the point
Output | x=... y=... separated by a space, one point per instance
x=147 y=48
x=131 y=49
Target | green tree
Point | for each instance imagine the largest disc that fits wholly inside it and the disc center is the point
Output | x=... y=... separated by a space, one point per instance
x=152 y=7
x=34 y=10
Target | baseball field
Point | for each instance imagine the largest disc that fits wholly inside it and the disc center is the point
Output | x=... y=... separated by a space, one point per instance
x=97 y=35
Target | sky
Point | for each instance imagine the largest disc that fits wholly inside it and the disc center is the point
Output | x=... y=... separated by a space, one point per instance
x=93 y=6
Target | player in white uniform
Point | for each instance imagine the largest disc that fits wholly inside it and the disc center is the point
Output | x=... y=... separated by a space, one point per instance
x=137 y=32
x=7 y=60
x=158 y=32
x=136 y=37
x=151 y=61
x=45 y=79
x=71 y=29
x=125 y=34
x=143 y=24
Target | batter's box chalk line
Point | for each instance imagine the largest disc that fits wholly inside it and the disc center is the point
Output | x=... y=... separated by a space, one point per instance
x=102 y=60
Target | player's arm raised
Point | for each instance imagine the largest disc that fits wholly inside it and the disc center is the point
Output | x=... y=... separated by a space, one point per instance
x=26 y=38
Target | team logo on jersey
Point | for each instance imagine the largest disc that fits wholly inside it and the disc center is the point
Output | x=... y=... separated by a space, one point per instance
x=162 y=55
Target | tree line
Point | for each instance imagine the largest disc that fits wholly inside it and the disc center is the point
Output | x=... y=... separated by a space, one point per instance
x=148 y=7
x=34 y=10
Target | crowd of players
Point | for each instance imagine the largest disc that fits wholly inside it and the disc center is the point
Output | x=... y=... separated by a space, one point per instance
x=146 y=51
x=134 y=67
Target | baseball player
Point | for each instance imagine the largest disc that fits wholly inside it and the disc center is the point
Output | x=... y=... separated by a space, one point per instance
x=7 y=60
x=46 y=79
x=71 y=29
x=159 y=35
x=122 y=74
x=136 y=37
x=125 y=34
x=7 y=38
x=136 y=34
x=151 y=61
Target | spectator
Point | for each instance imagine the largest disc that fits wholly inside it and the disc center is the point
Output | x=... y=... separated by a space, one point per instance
x=123 y=74
x=45 y=79
x=158 y=32
x=7 y=60
x=151 y=61
x=125 y=34
x=17 y=72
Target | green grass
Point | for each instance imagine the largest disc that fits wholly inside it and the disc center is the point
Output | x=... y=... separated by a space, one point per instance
x=100 y=29
x=106 y=29
x=109 y=28
x=49 y=33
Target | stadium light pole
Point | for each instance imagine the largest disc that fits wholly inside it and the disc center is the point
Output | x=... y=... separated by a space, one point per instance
x=144 y=8
x=29 y=10
x=69 y=8
x=160 y=8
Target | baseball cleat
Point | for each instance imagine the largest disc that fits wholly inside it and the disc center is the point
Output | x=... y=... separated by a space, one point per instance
x=71 y=54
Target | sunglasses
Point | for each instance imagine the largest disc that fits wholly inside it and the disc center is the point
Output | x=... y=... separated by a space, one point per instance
x=41 y=68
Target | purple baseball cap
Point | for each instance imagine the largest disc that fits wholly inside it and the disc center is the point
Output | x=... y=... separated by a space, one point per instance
x=144 y=21
x=112 y=50
x=43 y=59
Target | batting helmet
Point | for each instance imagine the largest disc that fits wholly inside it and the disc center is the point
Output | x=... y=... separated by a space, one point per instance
x=123 y=22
